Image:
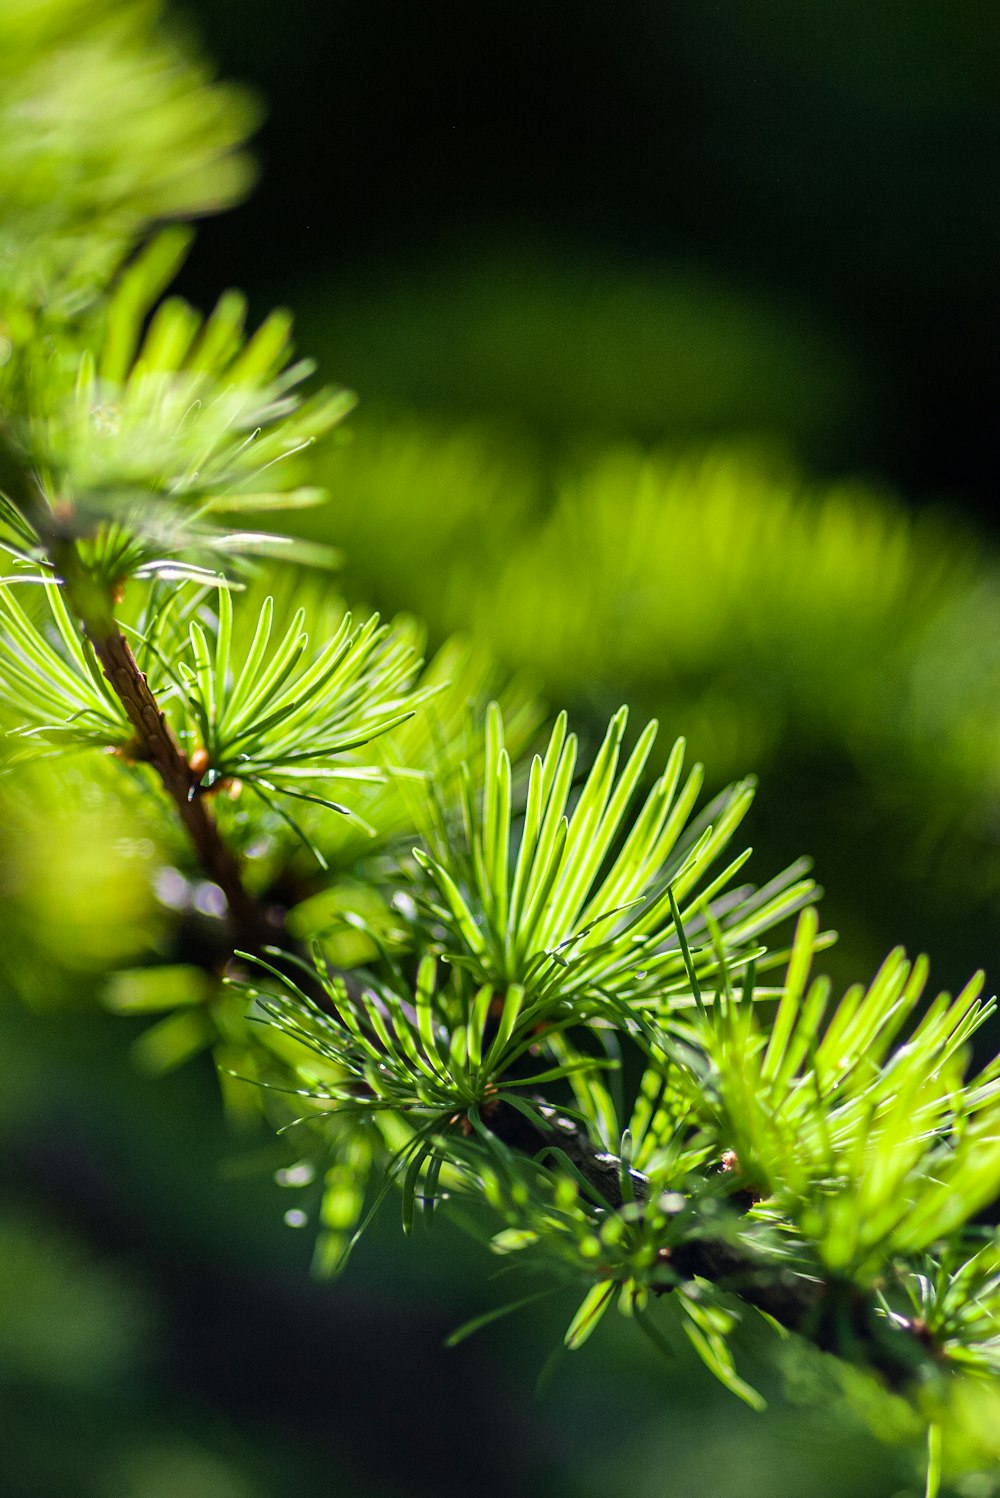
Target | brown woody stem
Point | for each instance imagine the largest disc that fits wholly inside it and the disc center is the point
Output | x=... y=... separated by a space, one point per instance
x=157 y=745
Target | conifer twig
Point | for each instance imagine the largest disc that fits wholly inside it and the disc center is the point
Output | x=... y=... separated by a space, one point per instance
x=157 y=745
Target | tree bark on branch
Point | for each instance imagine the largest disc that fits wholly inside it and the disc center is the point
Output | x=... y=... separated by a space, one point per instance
x=156 y=744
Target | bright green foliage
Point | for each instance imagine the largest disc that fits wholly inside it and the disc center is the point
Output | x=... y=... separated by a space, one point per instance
x=105 y=129
x=526 y=996
x=766 y=614
x=275 y=711
x=61 y=696
x=141 y=445
x=584 y=908
x=427 y=757
x=401 y=782
x=871 y=1151
x=861 y=1156
x=427 y=1052
x=197 y=412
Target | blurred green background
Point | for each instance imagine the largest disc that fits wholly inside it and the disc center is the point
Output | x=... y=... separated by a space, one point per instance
x=675 y=331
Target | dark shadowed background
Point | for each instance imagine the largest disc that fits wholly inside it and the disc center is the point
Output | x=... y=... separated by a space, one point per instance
x=837 y=162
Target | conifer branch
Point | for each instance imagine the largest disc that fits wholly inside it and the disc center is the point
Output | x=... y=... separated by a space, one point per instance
x=519 y=937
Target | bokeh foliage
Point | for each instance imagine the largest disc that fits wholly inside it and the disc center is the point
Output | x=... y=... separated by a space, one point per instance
x=844 y=648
